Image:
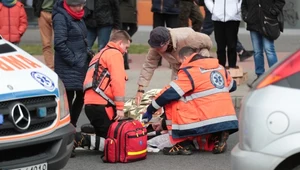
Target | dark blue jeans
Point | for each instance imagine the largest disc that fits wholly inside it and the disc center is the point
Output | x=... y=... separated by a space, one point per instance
x=260 y=45
x=103 y=34
x=208 y=28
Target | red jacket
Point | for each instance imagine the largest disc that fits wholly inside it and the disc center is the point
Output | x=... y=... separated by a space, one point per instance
x=13 y=22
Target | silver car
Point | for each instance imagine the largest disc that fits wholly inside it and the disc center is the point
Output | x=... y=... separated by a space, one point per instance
x=269 y=121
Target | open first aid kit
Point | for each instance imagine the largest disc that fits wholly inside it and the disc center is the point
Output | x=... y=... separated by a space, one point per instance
x=126 y=142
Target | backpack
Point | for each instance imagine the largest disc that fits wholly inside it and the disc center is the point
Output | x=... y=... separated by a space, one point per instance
x=126 y=142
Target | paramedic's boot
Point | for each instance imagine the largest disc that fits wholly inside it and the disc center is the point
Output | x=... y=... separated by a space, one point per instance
x=81 y=140
x=181 y=148
x=220 y=142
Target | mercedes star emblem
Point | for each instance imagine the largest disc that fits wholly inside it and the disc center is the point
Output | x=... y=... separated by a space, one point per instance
x=20 y=116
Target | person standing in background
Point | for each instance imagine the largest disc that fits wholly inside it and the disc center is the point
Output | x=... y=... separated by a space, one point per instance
x=226 y=15
x=71 y=52
x=13 y=22
x=208 y=28
x=128 y=11
x=43 y=10
x=165 y=13
x=251 y=13
x=189 y=9
x=101 y=17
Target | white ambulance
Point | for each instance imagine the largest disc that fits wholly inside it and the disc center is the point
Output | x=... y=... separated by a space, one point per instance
x=35 y=129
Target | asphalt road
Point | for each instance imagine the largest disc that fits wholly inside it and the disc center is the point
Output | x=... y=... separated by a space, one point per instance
x=90 y=160
x=85 y=160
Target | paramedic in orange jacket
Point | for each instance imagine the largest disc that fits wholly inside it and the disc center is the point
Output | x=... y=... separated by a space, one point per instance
x=99 y=111
x=197 y=103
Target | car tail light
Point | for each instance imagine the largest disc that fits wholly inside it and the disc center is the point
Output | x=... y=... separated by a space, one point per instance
x=290 y=66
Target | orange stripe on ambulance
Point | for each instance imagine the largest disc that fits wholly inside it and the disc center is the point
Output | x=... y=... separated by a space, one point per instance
x=16 y=62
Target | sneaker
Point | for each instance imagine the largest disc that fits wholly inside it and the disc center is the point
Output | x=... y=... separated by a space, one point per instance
x=251 y=84
x=220 y=142
x=245 y=55
x=81 y=140
x=178 y=149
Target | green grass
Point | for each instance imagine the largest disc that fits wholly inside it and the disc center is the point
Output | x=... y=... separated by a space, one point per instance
x=36 y=49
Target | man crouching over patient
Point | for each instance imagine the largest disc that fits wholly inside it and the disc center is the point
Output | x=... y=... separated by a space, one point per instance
x=197 y=104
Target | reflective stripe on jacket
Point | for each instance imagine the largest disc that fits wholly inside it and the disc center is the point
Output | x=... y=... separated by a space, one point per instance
x=111 y=59
x=198 y=102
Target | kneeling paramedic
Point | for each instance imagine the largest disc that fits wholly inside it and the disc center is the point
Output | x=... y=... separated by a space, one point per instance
x=197 y=103
x=104 y=90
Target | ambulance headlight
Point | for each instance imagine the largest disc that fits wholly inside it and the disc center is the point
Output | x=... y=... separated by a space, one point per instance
x=64 y=106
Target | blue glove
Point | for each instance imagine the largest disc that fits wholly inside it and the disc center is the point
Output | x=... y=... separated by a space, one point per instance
x=147 y=115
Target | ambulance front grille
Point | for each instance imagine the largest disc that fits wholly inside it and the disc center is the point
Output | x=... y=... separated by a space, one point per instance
x=32 y=104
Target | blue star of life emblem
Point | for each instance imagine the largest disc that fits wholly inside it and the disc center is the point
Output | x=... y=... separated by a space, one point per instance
x=217 y=79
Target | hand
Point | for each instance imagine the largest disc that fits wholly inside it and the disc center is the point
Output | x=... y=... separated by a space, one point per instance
x=120 y=115
x=138 y=98
x=157 y=126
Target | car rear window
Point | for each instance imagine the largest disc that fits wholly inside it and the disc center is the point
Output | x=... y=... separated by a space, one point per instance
x=6 y=48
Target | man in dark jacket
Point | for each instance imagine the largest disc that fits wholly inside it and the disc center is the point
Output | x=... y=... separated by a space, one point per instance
x=70 y=45
x=165 y=13
x=42 y=10
x=101 y=17
x=253 y=13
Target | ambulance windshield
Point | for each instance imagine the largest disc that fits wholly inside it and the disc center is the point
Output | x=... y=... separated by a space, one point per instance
x=6 y=48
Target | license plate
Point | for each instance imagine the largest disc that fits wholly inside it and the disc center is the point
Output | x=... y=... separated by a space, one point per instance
x=42 y=166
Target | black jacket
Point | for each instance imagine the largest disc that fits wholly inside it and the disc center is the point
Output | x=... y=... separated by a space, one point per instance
x=37 y=7
x=105 y=13
x=128 y=11
x=251 y=12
